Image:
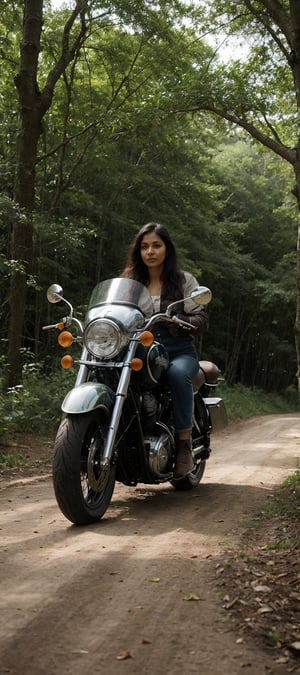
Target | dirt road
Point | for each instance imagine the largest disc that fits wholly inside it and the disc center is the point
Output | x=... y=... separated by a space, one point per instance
x=137 y=594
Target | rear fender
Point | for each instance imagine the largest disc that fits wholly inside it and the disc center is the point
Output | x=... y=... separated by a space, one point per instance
x=88 y=396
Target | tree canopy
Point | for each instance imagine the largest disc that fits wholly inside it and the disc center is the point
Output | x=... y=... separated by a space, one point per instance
x=132 y=109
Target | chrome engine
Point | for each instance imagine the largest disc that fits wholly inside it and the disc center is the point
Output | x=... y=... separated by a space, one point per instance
x=160 y=450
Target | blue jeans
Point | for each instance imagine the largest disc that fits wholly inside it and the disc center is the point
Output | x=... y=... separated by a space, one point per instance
x=184 y=365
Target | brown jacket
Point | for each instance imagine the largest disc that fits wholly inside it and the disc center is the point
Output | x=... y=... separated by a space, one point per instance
x=195 y=315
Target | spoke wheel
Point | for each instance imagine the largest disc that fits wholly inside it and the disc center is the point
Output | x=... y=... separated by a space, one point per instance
x=82 y=491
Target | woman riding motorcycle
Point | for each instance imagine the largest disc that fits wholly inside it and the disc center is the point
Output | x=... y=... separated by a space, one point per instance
x=152 y=260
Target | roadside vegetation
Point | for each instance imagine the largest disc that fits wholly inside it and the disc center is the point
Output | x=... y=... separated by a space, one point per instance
x=34 y=406
x=260 y=585
x=242 y=402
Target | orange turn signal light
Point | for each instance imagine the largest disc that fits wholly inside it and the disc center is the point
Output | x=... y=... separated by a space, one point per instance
x=147 y=338
x=60 y=325
x=136 y=364
x=65 y=339
x=66 y=362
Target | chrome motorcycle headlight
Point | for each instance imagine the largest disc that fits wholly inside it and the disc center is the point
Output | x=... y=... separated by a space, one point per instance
x=103 y=338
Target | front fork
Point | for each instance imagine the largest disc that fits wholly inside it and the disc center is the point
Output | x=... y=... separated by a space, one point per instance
x=121 y=394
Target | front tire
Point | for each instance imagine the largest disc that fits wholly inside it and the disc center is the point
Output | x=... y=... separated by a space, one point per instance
x=75 y=474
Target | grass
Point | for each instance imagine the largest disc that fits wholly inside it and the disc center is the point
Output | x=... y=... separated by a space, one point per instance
x=286 y=502
x=282 y=512
x=10 y=460
x=282 y=545
x=242 y=402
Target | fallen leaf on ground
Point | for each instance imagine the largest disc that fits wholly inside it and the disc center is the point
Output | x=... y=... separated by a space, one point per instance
x=282 y=659
x=264 y=610
x=230 y=603
x=192 y=596
x=79 y=651
x=296 y=645
x=124 y=655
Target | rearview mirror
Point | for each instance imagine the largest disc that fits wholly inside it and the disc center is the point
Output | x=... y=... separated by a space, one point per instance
x=54 y=293
x=201 y=295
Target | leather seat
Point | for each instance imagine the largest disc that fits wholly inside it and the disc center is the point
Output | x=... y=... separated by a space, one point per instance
x=208 y=372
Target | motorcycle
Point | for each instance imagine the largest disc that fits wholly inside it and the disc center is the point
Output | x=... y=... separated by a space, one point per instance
x=117 y=420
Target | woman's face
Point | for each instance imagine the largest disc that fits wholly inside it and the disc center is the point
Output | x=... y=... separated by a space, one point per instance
x=153 y=251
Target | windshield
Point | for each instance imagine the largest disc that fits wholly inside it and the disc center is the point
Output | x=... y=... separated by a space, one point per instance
x=122 y=292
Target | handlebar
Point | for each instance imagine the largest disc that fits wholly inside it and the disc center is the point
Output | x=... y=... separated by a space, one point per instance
x=156 y=318
x=66 y=321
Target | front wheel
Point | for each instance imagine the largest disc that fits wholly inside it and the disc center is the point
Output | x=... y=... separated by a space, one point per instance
x=76 y=468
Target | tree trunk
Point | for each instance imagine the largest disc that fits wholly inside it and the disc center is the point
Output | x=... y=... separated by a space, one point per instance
x=29 y=131
x=33 y=105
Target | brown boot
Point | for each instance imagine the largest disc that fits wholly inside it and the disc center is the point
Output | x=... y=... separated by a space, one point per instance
x=184 y=463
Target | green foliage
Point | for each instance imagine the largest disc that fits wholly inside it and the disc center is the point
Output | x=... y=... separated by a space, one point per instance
x=254 y=73
x=35 y=405
x=9 y=460
x=242 y=402
x=122 y=145
x=252 y=270
x=286 y=502
x=10 y=213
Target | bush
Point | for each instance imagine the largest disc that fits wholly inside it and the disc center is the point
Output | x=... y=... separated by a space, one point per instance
x=242 y=402
x=34 y=406
x=3 y=421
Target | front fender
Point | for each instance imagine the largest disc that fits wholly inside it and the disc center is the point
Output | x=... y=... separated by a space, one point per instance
x=88 y=396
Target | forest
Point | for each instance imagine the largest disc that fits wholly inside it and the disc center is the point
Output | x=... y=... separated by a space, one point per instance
x=113 y=114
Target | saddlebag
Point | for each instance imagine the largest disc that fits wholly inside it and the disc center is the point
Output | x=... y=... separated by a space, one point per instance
x=217 y=411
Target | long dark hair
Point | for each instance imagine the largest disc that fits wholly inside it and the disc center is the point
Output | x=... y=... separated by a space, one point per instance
x=172 y=276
